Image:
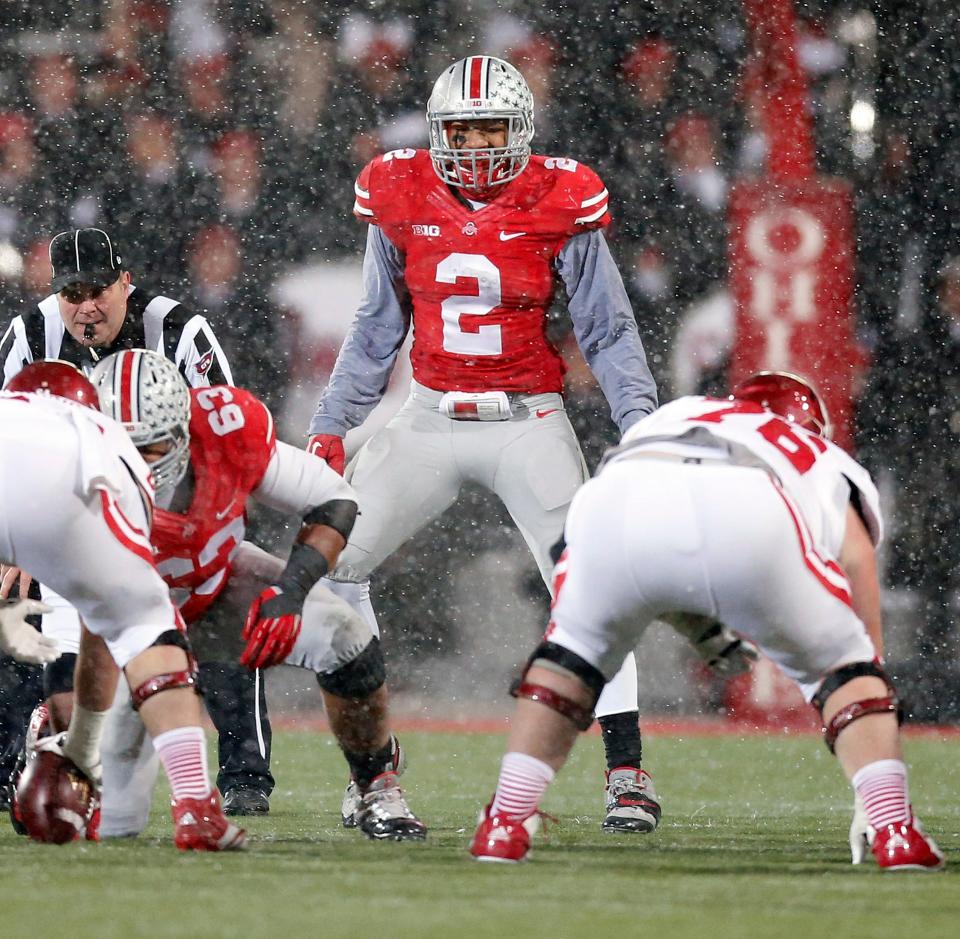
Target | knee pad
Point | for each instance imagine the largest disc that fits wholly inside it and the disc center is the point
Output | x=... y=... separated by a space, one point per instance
x=359 y=678
x=556 y=658
x=58 y=675
x=888 y=704
x=168 y=680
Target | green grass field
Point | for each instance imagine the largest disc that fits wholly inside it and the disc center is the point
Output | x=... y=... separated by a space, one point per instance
x=753 y=843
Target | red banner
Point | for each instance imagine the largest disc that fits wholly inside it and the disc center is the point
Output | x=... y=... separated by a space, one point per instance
x=792 y=278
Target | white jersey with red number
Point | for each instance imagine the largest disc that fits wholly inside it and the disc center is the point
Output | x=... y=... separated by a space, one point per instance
x=481 y=281
x=817 y=475
x=75 y=501
x=108 y=458
x=232 y=441
x=719 y=509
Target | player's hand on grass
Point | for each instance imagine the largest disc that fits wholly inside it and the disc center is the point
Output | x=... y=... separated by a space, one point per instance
x=859 y=832
x=329 y=447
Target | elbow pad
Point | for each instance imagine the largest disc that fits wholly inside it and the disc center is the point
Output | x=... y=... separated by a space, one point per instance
x=338 y=514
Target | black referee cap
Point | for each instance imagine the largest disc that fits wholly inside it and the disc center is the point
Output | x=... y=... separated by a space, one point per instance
x=83 y=256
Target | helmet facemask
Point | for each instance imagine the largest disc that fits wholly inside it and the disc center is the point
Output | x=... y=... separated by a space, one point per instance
x=147 y=395
x=475 y=89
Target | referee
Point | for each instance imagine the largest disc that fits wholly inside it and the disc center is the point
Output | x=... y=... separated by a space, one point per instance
x=93 y=312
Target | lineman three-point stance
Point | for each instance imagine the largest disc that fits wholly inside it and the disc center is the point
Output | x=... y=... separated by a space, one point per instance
x=737 y=511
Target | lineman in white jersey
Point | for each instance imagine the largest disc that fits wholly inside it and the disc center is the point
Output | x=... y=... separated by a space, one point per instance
x=732 y=511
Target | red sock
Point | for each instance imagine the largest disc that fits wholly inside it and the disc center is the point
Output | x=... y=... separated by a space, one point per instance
x=523 y=780
x=183 y=752
x=883 y=788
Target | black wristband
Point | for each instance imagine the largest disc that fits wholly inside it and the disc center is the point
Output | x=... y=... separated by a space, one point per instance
x=338 y=514
x=304 y=568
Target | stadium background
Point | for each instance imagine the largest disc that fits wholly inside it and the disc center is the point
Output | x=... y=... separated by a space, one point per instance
x=219 y=143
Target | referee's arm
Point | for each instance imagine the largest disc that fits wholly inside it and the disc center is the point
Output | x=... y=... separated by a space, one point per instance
x=14 y=350
x=189 y=342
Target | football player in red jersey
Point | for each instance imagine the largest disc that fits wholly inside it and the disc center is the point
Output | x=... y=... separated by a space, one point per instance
x=469 y=242
x=210 y=449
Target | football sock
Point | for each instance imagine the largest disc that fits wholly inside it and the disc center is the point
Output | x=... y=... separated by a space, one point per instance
x=621 y=739
x=82 y=742
x=883 y=788
x=523 y=780
x=183 y=752
x=365 y=767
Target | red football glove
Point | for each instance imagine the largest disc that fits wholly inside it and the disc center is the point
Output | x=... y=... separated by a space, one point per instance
x=329 y=447
x=271 y=628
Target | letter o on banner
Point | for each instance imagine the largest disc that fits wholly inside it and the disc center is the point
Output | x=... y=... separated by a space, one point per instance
x=788 y=237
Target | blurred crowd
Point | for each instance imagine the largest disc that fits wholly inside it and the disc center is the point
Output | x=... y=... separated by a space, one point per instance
x=218 y=140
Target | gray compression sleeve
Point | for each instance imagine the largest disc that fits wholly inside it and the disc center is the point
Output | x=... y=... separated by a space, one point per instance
x=368 y=353
x=605 y=328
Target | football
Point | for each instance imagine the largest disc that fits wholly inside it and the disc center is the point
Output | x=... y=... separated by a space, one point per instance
x=54 y=799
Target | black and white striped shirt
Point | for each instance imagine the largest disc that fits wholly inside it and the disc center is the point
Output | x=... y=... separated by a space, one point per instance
x=152 y=322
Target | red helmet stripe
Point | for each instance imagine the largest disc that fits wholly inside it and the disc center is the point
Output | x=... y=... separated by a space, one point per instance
x=128 y=387
x=476 y=74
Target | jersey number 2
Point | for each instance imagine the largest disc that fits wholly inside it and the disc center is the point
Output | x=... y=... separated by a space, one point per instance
x=224 y=417
x=484 y=340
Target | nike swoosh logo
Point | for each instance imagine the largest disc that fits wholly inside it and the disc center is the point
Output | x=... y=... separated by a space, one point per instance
x=507 y=236
x=220 y=516
x=548 y=411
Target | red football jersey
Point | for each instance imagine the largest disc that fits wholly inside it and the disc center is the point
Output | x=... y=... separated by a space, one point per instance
x=481 y=281
x=232 y=439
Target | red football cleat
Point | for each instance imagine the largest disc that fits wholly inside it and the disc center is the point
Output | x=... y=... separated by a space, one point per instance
x=200 y=825
x=502 y=841
x=904 y=847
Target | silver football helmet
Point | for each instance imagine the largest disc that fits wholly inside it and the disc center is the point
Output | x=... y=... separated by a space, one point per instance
x=146 y=393
x=480 y=87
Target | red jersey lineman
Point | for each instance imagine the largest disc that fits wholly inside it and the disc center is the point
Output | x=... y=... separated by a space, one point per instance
x=210 y=450
x=232 y=440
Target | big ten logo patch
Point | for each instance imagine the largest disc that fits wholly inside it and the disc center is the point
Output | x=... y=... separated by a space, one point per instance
x=428 y=231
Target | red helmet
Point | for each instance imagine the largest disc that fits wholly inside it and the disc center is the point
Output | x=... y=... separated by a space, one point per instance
x=54 y=800
x=56 y=378
x=788 y=395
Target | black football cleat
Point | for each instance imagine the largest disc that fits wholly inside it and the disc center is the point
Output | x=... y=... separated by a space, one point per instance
x=384 y=814
x=246 y=800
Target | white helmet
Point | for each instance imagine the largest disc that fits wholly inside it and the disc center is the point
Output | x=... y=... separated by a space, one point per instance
x=480 y=88
x=146 y=393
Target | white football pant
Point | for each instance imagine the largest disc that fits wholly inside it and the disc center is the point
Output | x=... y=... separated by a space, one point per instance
x=412 y=470
x=651 y=536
